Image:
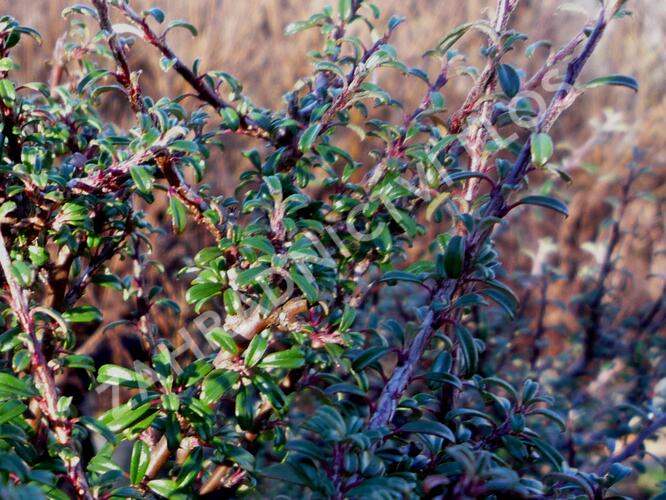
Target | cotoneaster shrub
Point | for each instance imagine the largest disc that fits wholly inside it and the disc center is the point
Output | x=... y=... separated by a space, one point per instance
x=308 y=381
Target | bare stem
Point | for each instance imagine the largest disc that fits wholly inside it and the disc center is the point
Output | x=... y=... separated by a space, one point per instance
x=44 y=379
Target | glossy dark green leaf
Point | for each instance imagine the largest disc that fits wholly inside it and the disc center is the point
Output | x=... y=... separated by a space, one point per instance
x=369 y=357
x=615 y=80
x=429 y=427
x=454 y=257
x=308 y=287
x=255 y=351
x=216 y=384
x=509 y=79
x=468 y=349
x=142 y=178
x=139 y=461
x=118 y=375
x=223 y=339
x=163 y=487
x=244 y=408
x=546 y=202
x=83 y=314
x=91 y=78
x=291 y=358
x=13 y=386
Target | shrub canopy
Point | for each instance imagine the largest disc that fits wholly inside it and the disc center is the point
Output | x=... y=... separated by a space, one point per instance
x=306 y=377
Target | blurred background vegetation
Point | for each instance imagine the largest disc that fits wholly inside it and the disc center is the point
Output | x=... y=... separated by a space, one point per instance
x=604 y=131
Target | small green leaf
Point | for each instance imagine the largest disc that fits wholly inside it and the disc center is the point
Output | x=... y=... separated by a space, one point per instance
x=11 y=409
x=454 y=257
x=509 y=79
x=255 y=351
x=369 y=357
x=308 y=137
x=79 y=361
x=163 y=487
x=542 y=149
x=295 y=27
x=260 y=243
x=182 y=24
x=216 y=384
x=7 y=92
x=6 y=64
x=91 y=78
x=393 y=276
x=394 y=22
x=244 y=408
x=142 y=178
x=12 y=386
x=178 y=214
x=139 y=462
x=23 y=273
x=202 y=292
x=429 y=427
x=156 y=13
x=95 y=425
x=344 y=7
x=166 y=63
x=309 y=288
x=185 y=146
x=468 y=348
x=83 y=314
x=250 y=276
x=274 y=186
x=223 y=339
x=550 y=414
x=348 y=317
x=231 y=118
x=119 y=375
x=615 y=80
x=530 y=50
x=332 y=67
x=291 y=358
x=6 y=208
x=547 y=202
x=80 y=9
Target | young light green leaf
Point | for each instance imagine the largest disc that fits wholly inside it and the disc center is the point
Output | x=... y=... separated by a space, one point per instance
x=542 y=149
